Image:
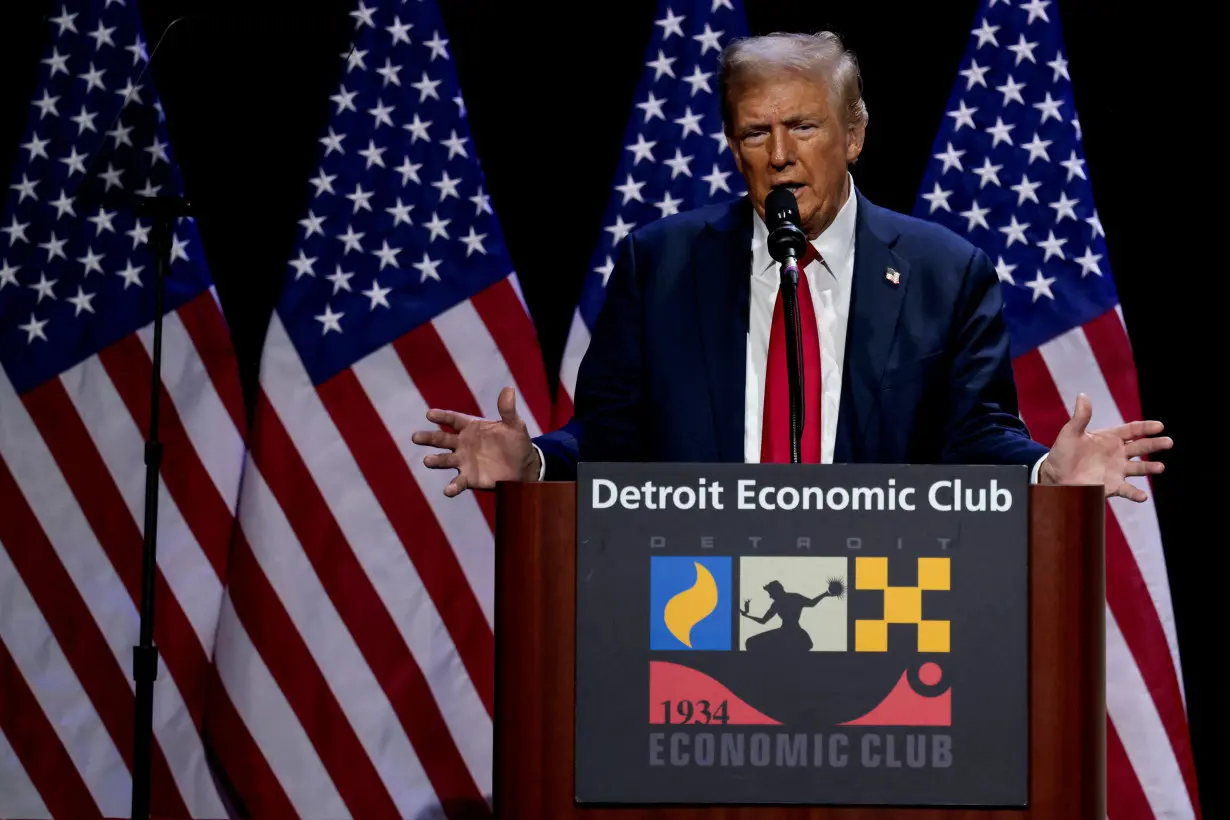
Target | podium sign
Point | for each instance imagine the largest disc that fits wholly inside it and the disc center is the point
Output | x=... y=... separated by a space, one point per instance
x=819 y=634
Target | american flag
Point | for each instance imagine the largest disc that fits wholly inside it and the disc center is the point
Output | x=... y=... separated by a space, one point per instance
x=674 y=156
x=356 y=640
x=1008 y=172
x=76 y=312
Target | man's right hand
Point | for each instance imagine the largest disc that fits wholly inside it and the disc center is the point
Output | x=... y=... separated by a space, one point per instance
x=483 y=452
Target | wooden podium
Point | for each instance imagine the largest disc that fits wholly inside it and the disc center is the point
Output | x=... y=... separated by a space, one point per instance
x=535 y=666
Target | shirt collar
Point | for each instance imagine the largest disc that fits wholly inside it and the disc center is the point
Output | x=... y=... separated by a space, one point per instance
x=835 y=245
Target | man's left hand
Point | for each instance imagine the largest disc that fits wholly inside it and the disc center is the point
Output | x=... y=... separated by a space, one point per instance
x=1105 y=457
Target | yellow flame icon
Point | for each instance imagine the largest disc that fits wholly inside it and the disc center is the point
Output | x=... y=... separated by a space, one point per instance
x=688 y=608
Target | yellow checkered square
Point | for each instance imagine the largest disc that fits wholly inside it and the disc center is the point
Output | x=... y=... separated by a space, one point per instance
x=902 y=605
x=870 y=636
x=933 y=573
x=871 y=573
x=933 y=636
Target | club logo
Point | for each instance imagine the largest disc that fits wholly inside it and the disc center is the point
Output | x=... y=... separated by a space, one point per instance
x=690 y=602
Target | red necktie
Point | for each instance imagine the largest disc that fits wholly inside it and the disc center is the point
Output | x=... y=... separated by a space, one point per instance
x=775 y=421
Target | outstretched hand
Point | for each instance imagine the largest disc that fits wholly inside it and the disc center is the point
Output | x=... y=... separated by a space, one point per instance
x=1106 y=457
x=482 y=451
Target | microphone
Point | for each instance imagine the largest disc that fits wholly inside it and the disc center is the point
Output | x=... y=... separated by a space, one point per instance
x=786 y=244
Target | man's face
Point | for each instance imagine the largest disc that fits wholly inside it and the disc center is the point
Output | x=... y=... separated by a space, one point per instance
x=785 y=132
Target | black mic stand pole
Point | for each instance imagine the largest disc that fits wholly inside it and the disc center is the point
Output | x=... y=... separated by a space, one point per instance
x=790 y=307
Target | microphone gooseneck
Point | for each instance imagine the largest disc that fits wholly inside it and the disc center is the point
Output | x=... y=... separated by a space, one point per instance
x=787 y=243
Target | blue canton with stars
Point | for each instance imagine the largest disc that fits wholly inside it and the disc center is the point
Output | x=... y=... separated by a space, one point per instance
x=1009 y=174
x=675 y=156
x=76 y=274
x=399 y=228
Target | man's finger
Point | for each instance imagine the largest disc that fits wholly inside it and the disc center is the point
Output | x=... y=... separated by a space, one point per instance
x=436 y=438
x=1144 y=468
x=1082 y=414
x=449 y=418
x=507 y=405
x=1135 y=429
x=442 y=461
x=456 y=487
x=1130 y=491
x=1145 y=446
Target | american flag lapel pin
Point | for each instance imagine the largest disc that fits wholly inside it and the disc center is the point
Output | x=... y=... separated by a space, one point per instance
x=892 y=276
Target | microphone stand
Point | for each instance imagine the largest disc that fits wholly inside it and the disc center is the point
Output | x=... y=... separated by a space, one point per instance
x=789 y=291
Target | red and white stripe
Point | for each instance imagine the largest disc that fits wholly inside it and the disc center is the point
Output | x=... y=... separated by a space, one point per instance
x=1150 y=770
x=71 y=509
x=570 y=364
x=357 y=644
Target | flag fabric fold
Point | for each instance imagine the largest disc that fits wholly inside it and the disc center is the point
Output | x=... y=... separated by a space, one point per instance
x=76 y=313
x=356 y=644
x=1008 y=172
x=674 y=156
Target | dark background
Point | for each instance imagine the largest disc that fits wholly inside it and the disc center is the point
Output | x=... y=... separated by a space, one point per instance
x=548 y=91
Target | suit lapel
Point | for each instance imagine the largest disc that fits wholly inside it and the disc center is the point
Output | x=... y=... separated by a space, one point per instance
x=875 y=304
x=721 y=270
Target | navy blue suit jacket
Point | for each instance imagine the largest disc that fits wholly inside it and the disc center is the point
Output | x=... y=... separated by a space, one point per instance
x=927 y=378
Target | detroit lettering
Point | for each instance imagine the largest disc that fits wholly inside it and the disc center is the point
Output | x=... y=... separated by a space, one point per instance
x=837 y=750
x=946 y=495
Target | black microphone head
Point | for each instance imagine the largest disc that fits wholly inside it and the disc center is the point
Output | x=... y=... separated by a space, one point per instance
x=786 y=237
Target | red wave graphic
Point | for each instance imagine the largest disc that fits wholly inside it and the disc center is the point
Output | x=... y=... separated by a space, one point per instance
x=673 y=682
x=905 y=707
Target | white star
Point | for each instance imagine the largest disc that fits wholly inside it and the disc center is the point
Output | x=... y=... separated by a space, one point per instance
x=417 y=129
x=1015 y=231
x=605 y=269
x=987 y=173
x=8 y=274
x=33 y=329
x=81 y=301
x=1025 y=190
x=377 y=294
x=312 y=224
x=63 y=205
x=447 y=186
x=951 y=158
x=652 y=107
x=631 y=190
x=719 y=137
x=717 y=179
x=667 y=205
x=37 y=147
x=1011 y=91
x=138 y=50
x=699 y=79
x=1089 y=262
x=1023 y=50
x=179 y=249
x=360 y=198
x=345 y=100
x=482 y=202
x=461 y=105
x=399 y=31
x=938 y=199
x=65 y=22
x=1075 y=166
x=340 y=279
x=120 y=134
x=1036 y=8
x=1064 y=207
x=333 y=142
x=330 y=320
x=1000 y=132
x=389 y=72
x=351 y=240
x=474 y=242
x=363 y=16
x=1004 y=271
x=1076 y=126
x=427 y=87
x=303 y=266
x=437 y=227
x=387 y=255
x=976 y=216
x=91 y=261
x=57 y=61
x=381 y=114
x=373 y=155
x=455 y=144
x=112 y=177
x=102 y=36
x=54 y=248
x=93 y=79
x=150 y=190
x=1052 y=246
x=131 y=93
x=1041 y=286
x=131 y=274
x=427 y=268
x=26 y=188
x=102 y=221
x=401 y=213
x=139 y=234
x=44 y=287
x=661 y=66
x=1049 y=108
x=1060 y=66
x=158 y=152
x=963 y=115
x=437 y=47
x=679 y=165
x=721 y=4
x=708 y=39
x=1037 y=149
x=670 y=24
x=16 y=230
x=975 y=74
x=84 y=120
x=642 y=149
x=619 y=230
x=986 y=34
x=690 y=122
x=323 y=181
x=1096 y=224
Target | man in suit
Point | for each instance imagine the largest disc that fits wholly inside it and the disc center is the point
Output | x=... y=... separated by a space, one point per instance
x=905 y=350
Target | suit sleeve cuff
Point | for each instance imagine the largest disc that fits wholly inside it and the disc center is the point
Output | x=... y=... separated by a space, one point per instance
x=1033 y=475
x=542 y=462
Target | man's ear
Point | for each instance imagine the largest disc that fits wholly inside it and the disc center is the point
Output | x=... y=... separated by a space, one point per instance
x=854 y=142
